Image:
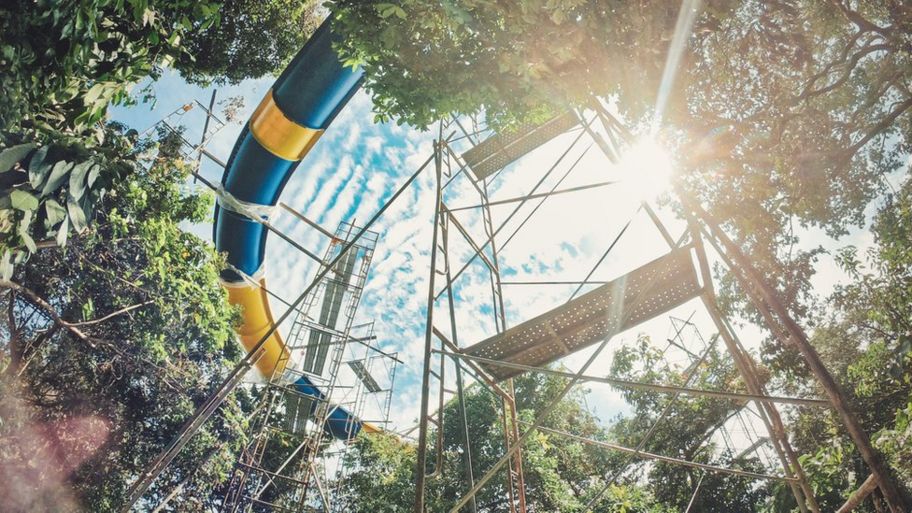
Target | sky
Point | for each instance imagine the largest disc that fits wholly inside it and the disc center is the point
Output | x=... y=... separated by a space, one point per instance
x=358 y=164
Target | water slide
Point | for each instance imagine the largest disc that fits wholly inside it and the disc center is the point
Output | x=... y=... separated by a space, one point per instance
x=289 y=120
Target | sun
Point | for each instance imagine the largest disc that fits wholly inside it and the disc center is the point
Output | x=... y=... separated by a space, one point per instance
x=646 y=169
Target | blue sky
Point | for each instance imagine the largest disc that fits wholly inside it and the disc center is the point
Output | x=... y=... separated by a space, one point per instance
x=358 y=164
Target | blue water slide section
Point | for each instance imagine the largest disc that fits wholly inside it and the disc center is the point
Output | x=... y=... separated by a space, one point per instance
x=315 y=85
x=340 y=424
x=244 y=241
x=311 y=91
x=258 y=176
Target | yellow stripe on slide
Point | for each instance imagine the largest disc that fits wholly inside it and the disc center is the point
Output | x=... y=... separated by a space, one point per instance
x=369 y=428
x=257 y=321
x=280 y=135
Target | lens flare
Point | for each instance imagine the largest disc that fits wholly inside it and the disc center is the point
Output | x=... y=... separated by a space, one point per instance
x=647 y=168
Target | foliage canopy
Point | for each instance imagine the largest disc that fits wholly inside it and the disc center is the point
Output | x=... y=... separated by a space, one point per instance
x=120 y=332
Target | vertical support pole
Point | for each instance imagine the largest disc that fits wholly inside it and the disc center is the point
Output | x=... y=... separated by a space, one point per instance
x=749 y=278
x=803 y=493
x=428 y=336
x=460 y=390
x=693 y=498
x=202 y=143
x=515 y=479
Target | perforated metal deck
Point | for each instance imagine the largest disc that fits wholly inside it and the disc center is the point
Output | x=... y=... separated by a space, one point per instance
x=298 y=409
x=319 y=342
x=638 y=296
x=499 y=150
x=362 y=373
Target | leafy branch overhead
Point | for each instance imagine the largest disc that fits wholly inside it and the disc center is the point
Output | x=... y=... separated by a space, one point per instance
x=65 y=63
x=50 y=190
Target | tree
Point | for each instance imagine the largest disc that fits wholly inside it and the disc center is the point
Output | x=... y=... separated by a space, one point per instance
x=116 y=324
x=65 y=62
x=50 y=191
x=253 y=38
x=783 y=114
x=425 y=60
x=866 y=340
x=793 y=125
x=561 y=473
x=685 y=431
x=112 y=340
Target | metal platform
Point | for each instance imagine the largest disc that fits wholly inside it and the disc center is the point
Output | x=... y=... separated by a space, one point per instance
x=631 y=299
x=363 y=374
x=320 y=341
x=298 y=409
x=500 y=150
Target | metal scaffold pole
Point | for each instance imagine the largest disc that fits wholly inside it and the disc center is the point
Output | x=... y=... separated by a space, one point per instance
x=460 y=388
x=421 y=465
x=750 y=280
x=801 y=490
x=217 y=396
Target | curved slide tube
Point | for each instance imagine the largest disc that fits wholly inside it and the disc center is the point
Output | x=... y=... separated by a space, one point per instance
x=284 y=127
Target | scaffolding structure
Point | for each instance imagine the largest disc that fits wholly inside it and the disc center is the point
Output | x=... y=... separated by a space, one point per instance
x=591 y=319
x=478 y=156
x=289 y=423
x=174 y=123
x=324 y=344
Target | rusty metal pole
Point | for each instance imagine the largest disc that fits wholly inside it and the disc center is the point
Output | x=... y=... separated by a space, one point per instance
x=750 y=277
x=460 y=389
x=428 y=337
x=515 y=478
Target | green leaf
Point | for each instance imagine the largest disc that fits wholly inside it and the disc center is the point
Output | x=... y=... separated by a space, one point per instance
x=6 y=265
x=23 y=201
x=58 y=174
x=24 y=232
x=93 y=93
x=62 y=232
x=93 y=174
x=77 y=215
x=54 y=212
x=38 y=168
x=385 y=9
x=13 y=154
x=88 y=309
x=77 y=179
x=148 y=17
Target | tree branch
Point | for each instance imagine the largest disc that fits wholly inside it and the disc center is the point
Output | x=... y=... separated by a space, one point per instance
x=73 y=328
x=882 y=125
x=859 y=20
x=51 y=311
x=15 y=347
x=847 y=72
x=110 y=315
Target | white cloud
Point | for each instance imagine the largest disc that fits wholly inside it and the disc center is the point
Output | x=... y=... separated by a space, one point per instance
x=357 y=166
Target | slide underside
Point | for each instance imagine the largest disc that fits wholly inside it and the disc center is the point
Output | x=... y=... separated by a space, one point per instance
x=284 y=127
